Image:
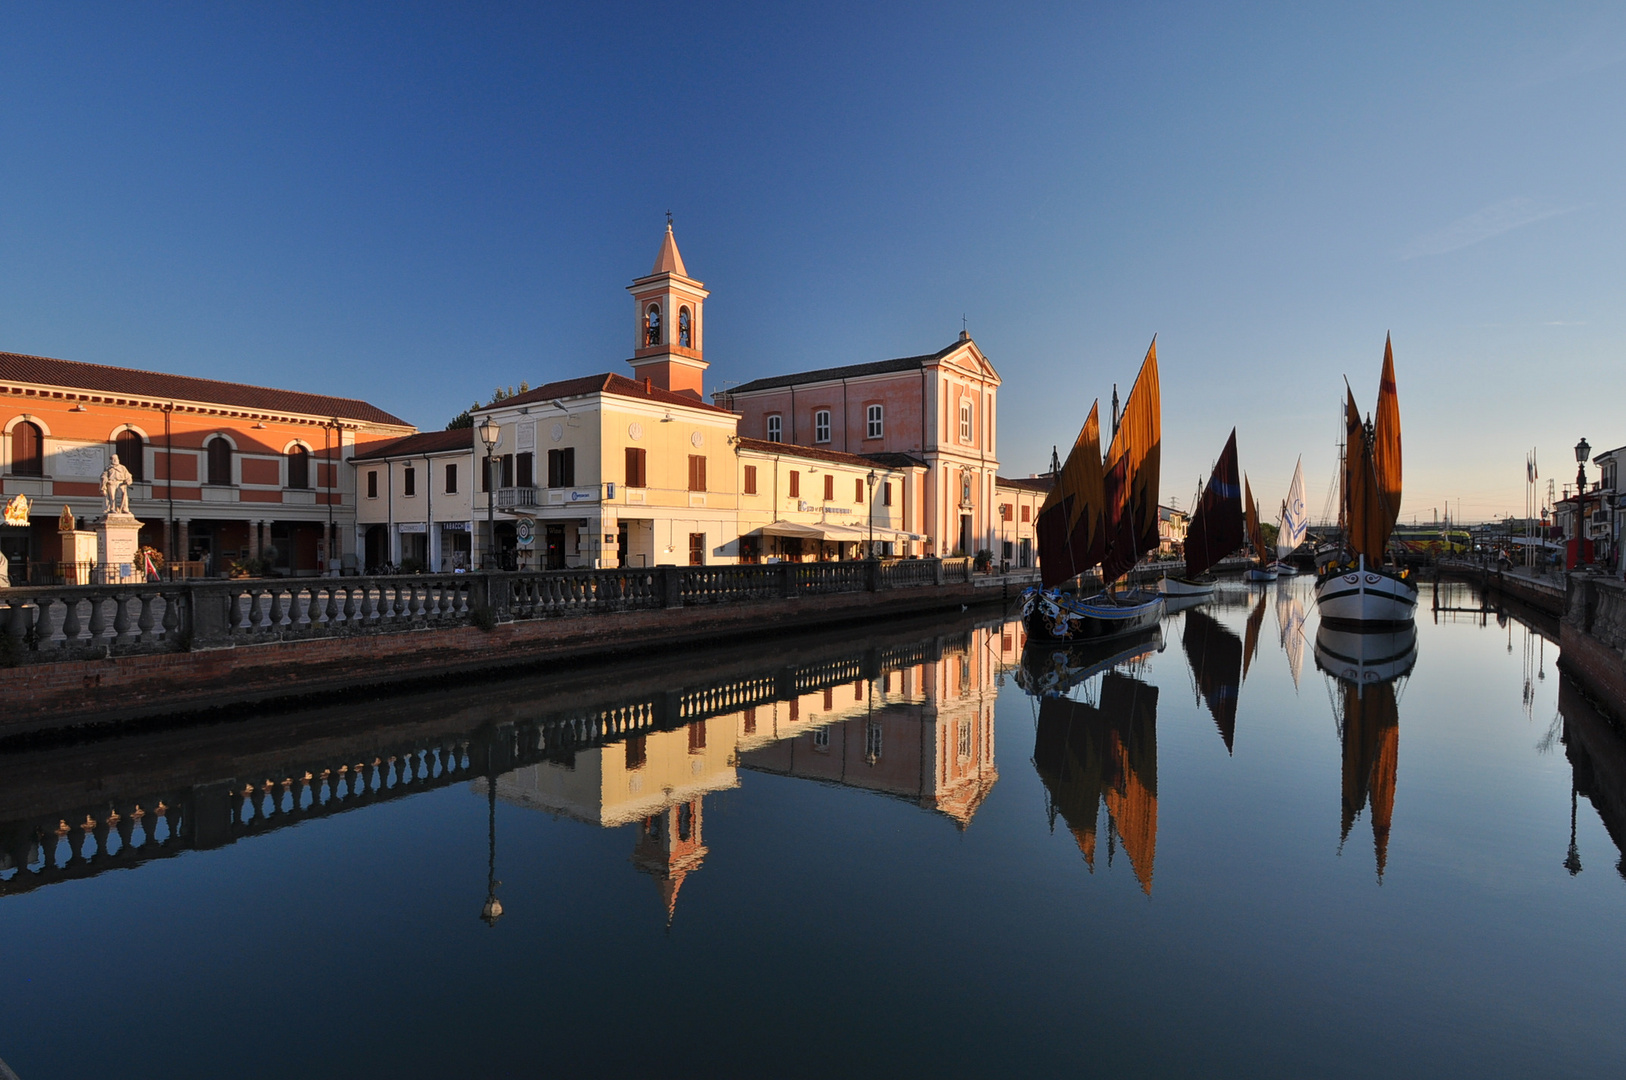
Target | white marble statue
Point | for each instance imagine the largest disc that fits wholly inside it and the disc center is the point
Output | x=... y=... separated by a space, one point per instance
x=116 y=481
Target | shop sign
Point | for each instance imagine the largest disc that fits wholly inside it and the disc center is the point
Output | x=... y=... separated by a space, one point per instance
x=583 y=496
x=410 y=527
x=454 y=526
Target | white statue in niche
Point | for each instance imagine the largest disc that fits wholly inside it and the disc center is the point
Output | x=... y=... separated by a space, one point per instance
x=116 y=481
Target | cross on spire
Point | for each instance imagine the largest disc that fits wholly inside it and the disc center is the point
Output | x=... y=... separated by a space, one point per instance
x=669 y=219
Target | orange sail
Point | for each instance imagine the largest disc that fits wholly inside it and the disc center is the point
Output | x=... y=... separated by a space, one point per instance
x=1386 y=444
x=1371 y=737
x=1256 y=535
x=1133 y=464
x=1070 y=528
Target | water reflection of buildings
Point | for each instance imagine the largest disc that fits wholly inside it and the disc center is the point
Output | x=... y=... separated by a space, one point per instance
x=1365 y=668
x=917 y=726
x=1597 y=757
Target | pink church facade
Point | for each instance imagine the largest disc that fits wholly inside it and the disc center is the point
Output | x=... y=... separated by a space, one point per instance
x=940 y=408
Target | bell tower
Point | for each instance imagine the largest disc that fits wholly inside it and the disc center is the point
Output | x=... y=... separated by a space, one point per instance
x=667 y=350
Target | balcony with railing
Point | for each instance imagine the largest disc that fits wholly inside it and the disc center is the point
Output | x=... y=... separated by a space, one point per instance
x=510 y=497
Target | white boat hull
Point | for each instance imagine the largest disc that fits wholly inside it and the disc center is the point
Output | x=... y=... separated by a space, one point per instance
x=1367 y=597
x=1169 y=586
x=1260 y=573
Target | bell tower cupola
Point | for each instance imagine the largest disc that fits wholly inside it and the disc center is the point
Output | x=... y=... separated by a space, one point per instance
x=670 y=335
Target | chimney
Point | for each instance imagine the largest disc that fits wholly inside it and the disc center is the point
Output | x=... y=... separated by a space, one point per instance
x=648 y=386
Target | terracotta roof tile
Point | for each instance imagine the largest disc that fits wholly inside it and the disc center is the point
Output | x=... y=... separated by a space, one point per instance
x=74 y=374
x=618 y=385
x=849 y=371
x=813 y=453
x=425 y=442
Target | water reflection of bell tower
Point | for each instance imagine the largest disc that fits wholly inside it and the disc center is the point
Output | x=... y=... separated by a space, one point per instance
x=669 y=848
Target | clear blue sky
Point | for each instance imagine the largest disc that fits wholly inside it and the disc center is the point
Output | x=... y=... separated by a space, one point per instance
x=416 y=204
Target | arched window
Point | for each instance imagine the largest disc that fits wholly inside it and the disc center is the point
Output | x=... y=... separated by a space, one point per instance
x=652 y=325
x=873 y=427
x=27 y=450
x=131 y=449
x=821 y=426
x=219 y=451
x=685 y=334
x=299 y=467
x=775 y=428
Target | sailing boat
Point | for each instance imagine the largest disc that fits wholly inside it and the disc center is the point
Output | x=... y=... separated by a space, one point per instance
x=1101 y=514
x=1357 y=587
x=1215 y=530
x=1293 y=523
x=1263 y=570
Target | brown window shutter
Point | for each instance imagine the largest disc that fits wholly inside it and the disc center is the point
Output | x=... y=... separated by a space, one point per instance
x=858 y=490
x=795 y=484
x=750 y=479
x=829 y=488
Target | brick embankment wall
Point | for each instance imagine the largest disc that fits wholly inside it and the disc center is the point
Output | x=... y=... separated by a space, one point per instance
x=74 y=693
x=1592 y=643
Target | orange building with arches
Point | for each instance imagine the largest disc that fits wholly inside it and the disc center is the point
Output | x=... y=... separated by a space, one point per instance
x=224 y=472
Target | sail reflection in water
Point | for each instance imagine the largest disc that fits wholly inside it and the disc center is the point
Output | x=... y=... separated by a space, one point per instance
x=1215 y=656
x=1365 y=670
x=1103 y=754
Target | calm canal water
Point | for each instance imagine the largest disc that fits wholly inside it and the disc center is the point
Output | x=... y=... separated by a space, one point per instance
x=856 y=854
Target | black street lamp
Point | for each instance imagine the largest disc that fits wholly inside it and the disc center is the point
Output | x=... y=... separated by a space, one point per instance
x=871 y=479
x=1582 y=452
x=491 y=435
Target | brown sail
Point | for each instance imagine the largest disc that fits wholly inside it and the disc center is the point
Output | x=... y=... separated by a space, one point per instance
x=1069 y=530
x=1256 y=535
x=1250 y=646
x=1365 y=520
x=1216 y=525
x=1386 y=444
x=1131 y=477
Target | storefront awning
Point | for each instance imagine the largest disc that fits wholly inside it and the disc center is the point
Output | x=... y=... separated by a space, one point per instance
x=792 y=528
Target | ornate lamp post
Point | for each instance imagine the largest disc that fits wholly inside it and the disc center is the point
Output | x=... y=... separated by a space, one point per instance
x=1582 y=452
x=491 y=435
x=871 y=479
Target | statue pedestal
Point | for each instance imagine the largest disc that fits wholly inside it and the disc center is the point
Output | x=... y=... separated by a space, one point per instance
x=78 y=557
x=119 y=537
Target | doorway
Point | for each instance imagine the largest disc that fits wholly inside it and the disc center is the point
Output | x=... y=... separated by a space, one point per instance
x=965 y=535
x=554 y=552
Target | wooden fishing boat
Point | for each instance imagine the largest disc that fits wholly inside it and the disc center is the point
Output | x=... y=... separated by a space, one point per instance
x=1101 y=515
x=1261 y=570
x=1358 y=587
x=1215 y=530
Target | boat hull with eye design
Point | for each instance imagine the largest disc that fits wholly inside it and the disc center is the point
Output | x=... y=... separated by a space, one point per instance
x=1365 y=596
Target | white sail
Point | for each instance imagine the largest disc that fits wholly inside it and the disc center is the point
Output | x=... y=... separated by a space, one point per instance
x=1295 y=519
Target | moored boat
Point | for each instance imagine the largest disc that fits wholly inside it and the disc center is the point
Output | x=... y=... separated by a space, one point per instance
x=1101 y=514
x=1357 y=587
x=1215 y=530
x=1294 y=522
x=1263 y=570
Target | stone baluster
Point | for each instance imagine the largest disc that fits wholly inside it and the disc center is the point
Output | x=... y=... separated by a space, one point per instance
x=70 y=623
x=279 y=609
x=121 y=619
x=352 y=604
x=145 y=621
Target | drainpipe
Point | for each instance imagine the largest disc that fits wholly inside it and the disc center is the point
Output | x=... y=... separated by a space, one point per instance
x=846 y=419
x=429 y=512
x=169 y=487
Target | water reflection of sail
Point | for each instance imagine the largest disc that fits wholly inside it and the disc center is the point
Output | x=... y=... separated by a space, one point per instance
x=1290 y=621
x=1090 y=755
x=1365 y=668
x=1215 y=656
x=1371 y=735
x=1256 y=622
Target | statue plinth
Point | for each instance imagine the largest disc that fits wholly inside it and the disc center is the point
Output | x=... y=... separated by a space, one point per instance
x=119 y=538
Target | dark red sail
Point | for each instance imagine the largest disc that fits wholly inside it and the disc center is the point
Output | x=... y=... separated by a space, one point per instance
x=1216 y=527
